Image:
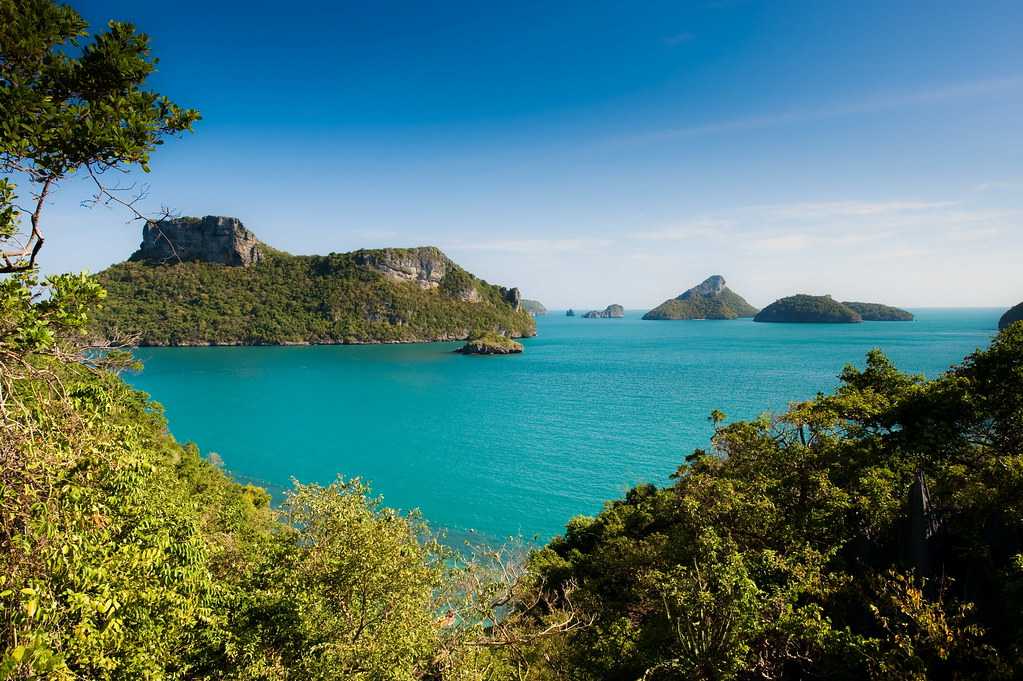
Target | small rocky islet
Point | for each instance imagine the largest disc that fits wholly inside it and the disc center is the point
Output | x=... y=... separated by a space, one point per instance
x=613 y=311
x=490 y=344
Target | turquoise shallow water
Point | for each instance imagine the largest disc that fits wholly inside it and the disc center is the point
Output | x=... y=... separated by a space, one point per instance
x=518 y=445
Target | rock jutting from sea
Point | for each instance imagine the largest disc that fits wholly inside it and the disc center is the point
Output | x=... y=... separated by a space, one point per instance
x=490 y=344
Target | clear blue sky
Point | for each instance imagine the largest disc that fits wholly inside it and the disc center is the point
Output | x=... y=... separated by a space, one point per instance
x=599 y=152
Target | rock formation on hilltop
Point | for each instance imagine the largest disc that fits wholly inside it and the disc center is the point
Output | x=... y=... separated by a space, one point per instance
x=1014 y=314
x=212 y=238
x=610 y=312
x=876 y=312
x=209 y=281
x=807 y=309
x=710 y=299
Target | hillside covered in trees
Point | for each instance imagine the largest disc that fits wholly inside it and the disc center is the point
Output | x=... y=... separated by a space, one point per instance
x=383 y=295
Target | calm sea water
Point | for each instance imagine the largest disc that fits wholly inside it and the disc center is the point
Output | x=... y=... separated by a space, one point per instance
x=518 y=445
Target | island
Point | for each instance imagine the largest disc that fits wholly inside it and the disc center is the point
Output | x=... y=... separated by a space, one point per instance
x=490 y=344
x=806 y=309
x=1014 y=314
x=534 y=307
x=612 y=311
x=711 y=299
x=210 y=281
x=876 y=312
x=570 y=313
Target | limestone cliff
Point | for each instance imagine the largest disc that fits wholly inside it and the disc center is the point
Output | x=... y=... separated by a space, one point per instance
x=212 y=238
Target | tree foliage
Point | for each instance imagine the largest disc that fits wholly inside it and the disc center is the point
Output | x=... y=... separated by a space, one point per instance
x=67 y=105
x=790 y=551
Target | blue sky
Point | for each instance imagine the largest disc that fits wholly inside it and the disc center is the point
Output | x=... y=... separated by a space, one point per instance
x=599 y=152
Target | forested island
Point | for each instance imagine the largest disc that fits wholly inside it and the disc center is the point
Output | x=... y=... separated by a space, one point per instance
x=1012 y=315
x=209 y=281
x=711 y=299
x=807 y=309
x=534 y=307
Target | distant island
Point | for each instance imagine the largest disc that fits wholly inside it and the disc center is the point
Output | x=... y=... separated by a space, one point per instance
x=711 y=299
x=210 y=281
x=610 y=312
x=570 y=313
x=876 y=312
x=802 y=308
x=534 y=307
x=1014 y=314
x=806 y=309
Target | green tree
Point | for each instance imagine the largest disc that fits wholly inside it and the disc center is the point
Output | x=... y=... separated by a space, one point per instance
x=70 y=106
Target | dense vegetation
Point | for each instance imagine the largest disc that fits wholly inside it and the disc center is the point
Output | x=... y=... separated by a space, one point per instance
x=1012 y=315
x=873 y=533
x=295 y=299
x=876 y=312
x=802 y=308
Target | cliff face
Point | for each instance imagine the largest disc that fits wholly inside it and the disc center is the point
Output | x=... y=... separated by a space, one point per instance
x=176 y=290
x=213 y=239
x=710 y=299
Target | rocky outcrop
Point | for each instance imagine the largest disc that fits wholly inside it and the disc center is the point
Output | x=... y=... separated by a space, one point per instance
x=424 y=266
x=490 y=344
x=534 y=307
x=570 y=313
x=512 y=296
x=212 y=238
x=609 y=312
x=1014 y=314
x=876 y=312
x=805 y=309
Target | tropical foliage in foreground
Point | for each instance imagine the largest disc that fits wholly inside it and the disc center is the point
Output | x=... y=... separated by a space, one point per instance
x=876 y=532
x=871 y=533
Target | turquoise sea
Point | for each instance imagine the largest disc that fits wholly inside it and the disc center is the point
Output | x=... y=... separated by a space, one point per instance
x=518 y=445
